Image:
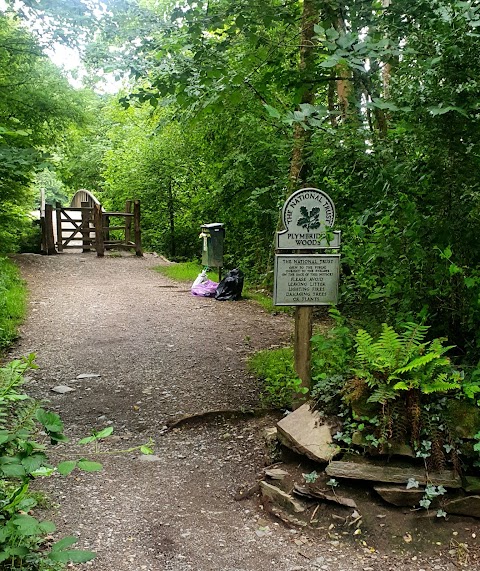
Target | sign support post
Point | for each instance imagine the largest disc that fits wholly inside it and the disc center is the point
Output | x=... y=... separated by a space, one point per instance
x=302 y=348
x=305 y=275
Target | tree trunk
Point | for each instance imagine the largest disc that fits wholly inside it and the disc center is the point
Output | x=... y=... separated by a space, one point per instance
x=301 y=137
x=298 y=176
x=171 y=218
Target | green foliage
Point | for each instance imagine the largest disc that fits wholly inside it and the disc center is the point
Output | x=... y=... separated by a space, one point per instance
x=36 y=106
x=182 y=272
x=332 y=356
x=403 y=362
x=12 y=302
x=22 y=458
x=311 y=478
x=280 y=382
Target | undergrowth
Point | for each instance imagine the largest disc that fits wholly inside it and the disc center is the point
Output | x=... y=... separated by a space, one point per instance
x=12 y=302
x=274 y=367
x=23 y=457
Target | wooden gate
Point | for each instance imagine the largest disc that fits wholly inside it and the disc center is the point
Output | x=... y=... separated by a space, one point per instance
x=87 y=227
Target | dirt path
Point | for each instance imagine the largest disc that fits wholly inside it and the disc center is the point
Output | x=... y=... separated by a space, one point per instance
x=160 y=354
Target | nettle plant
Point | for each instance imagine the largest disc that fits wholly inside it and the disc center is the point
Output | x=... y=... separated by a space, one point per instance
x=24 y=428
x=22 y=458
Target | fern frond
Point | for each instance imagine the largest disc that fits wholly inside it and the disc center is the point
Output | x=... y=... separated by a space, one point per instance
x=417 y=363
x=383 y=394
x=443 y=382
x=389 y=340
x=414 y=334
x=364 y=343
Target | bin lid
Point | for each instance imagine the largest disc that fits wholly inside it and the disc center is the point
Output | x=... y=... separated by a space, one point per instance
x=213 y=225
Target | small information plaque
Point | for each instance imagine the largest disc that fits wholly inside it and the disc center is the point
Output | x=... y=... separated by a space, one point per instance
x=306 y=279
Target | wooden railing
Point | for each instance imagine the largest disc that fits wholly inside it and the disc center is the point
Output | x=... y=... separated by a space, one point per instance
x=91 y=228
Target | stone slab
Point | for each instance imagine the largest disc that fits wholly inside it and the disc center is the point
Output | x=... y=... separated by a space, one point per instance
x=391 y=474
x=467 y=506
x=62 y=389
x=306 y=432
x=281 y=498
x=399 y=496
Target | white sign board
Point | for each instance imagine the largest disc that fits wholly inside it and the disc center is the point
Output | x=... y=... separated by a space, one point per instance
x=308 y=216
x=306 y=280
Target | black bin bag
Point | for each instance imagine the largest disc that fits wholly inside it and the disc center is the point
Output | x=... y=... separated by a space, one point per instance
x=230 y=288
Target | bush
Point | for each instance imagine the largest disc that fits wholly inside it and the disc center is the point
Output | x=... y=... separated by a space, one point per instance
x=12 y=302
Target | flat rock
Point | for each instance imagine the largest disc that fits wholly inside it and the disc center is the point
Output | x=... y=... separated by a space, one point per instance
x=399 y=496
x=281 y=498
x=306 y=432
x=88 y=376
x=310 y=492
x=391 y=474
x=149 y=458
x=62 y=389
x=468 y=506
x=276 y=473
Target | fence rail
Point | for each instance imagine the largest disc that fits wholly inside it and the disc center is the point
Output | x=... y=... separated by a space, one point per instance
x=89 y=226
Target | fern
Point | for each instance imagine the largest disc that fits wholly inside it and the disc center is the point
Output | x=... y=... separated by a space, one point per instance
x=417 y=363
x=383 y=394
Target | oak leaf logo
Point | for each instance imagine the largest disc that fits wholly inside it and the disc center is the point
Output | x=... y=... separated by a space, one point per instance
x=309 y=220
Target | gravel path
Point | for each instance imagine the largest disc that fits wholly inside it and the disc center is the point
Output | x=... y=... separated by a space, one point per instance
x=161 y=354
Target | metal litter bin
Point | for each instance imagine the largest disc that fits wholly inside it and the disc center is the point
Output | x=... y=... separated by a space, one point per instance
x=213 y=240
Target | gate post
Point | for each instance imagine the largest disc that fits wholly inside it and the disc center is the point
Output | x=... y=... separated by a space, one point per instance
x=58 y=216
x=136 y=223
x=48 y=240
x=128 y=222
x=86 y=241
x=98 y=221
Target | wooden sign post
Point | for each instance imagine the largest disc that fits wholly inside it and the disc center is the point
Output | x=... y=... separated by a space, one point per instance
x=305 y=275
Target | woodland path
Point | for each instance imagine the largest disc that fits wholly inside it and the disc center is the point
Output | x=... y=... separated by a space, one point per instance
x=160 y=354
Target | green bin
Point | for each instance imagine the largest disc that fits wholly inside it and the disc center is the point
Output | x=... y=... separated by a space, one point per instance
x=213 y=239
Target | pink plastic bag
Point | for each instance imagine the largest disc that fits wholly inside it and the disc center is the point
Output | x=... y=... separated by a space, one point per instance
x=205 y=289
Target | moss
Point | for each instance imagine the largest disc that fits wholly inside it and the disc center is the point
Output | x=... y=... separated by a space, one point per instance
x=463 y=418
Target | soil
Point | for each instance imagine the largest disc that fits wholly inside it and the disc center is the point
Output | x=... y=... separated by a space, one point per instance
x=161 y=354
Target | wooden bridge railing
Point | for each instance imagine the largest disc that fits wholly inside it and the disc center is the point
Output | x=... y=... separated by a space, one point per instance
x=92 y=227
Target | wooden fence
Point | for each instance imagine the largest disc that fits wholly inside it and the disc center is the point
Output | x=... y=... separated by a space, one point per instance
x=88 y=227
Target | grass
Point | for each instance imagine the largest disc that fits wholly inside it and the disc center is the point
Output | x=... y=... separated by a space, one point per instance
x=13 y=302
x=275 y=368
x=183 y=272
x=188 y=271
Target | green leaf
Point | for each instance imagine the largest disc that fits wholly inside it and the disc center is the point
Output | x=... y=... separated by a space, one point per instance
x=65 y=468
x=26 y=524
x=454 y=269
x=87 y=440
x=50 y=421
x=470 y=282
x=88 y=466
x=146 y=450
x=13 y=470
x=104 y=433
x=272 y=111
x=64 y=543
x=74 y=556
